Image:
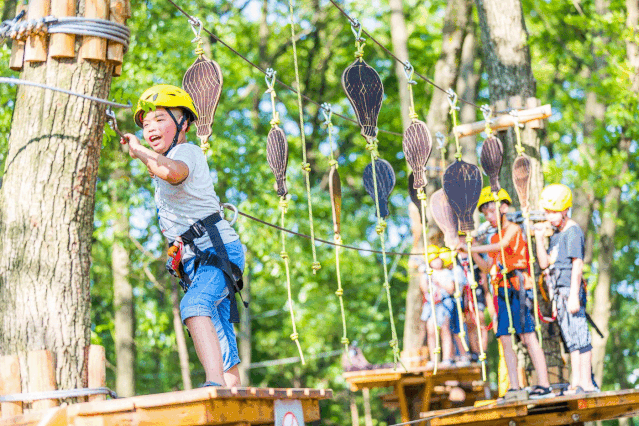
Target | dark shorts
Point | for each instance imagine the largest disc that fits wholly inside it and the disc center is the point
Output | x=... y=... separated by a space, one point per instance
x=515 y=306
x=481 y=298
x=574 y=327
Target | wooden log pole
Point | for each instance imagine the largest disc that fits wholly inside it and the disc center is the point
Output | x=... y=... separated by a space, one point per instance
x=62 y=45
x=10 y=384
x=97 y=370
x=95 y=48
x=42 y=377
x=17 y=47
x=504 y=121
x=36 y=47
x=120 y=11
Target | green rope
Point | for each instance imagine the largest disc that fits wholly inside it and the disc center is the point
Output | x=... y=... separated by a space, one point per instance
x=306 y=167
x=473 y=287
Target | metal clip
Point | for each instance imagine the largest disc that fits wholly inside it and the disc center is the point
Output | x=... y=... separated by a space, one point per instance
x=327 y=111
x=196 y=23
x=441 y=139
x=113 y=122
x=487 y=112
x=515 y=114
x=356 y=27
x=452 y=98
x=234 y=210
x=409 y=71
x=270 y=78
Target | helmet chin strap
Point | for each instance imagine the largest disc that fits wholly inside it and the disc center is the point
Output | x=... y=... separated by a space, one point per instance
x=178 y=128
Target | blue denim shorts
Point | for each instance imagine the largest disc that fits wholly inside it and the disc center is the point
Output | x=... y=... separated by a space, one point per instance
x=208 y=297
x=443 y=311
x=502 y=314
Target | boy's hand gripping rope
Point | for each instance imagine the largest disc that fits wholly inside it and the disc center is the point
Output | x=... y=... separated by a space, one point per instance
x=473 y=287
x=429 y=275
x=306 y=167
x=531 y=253
x=327 y=110
x=452 y=100
x=270 y=81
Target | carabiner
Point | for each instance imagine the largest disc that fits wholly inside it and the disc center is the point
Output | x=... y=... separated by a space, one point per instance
x=452 y=98
x=327 y=111
x=409 y=71
x=440 y=139
x=270 y=78
x=356 y=27
x=195 y=22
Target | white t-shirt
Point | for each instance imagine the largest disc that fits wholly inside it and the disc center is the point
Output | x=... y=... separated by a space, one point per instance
x=180 y=206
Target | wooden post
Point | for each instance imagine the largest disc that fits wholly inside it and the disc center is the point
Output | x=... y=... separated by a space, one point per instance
x=10 y=384
x=368 y=418
x=120 y=11
x=95 y=48
x=97 y=370
x=36 y=48
x=17 y=47
x=534 y=103
x=62 y=45
x=42 y=376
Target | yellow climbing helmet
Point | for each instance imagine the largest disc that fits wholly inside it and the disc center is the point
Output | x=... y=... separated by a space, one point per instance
x=432 y=252
x=447 y=256
x=556 y=197
x=167 y=96
x=486 y=196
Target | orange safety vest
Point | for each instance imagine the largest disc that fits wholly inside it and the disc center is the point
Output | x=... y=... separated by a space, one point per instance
x=516 y=254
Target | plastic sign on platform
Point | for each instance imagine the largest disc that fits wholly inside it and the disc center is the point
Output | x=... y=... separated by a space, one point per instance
x=288 y=413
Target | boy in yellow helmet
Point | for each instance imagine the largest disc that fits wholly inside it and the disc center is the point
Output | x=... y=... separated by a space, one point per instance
x=515 y=250
x=212 y=257
x=565 y=257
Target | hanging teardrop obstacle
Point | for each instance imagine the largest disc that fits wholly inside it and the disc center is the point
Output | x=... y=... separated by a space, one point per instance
x=491 y=159
x=380 y=182
x=203 y=81
x=417 y=145
x=522 y=167
x=277 y=157
x=444 y=216
x=462 y=184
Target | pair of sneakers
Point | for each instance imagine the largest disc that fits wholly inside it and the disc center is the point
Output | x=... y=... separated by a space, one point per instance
x=540 y=392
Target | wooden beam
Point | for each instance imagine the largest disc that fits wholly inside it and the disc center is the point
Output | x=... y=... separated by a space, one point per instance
x=504 y=121
x=95 y=48
x=17 y=47
x=36 y=48
x=62 y=45
x=97 y=370
x=42 y=377
x=10 y=384
x=115 y=51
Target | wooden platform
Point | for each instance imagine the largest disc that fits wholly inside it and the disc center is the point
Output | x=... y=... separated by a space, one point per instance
x=204 y=406
x=414 y=390
x=574 y=409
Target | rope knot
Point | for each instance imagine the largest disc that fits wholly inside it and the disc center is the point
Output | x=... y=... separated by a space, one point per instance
x=538 y=327
x=511 y=330
x=284 y=204
x=474 y=285
x=437 y=350
x=333 y=163
x=386 y=285
x=482 y=357
x=421 y=195
x=306 y=167
x=205 y=146
x=339 y=292
x=275 y=121
x=394 y=343
x=429 y=271
x=284 y=254
x=295 y=336
x=457 y=295
x=338 y=239
x=345 y=341
x=381 y=227
x=316 y=266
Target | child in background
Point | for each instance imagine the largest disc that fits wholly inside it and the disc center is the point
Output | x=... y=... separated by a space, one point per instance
x=565 y=256
x=443 y=288
x=516 y=255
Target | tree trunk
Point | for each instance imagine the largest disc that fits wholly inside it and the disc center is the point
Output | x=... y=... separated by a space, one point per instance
x=507 y=62
x=467 y=89
x=399 y=37
x=54 y=150
x=446 y=71
x=245 y=334
x=183 y=352
x=122 y=297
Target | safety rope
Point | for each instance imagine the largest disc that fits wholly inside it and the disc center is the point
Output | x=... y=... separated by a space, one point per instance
x=306 y=167
x=327 y=110
x=473 y=287
x=20 y=30
x=263 y=71
x=283 y=209
x=371 y=146
x=452 y=100
x=457 y=296
x=531 y=253
x=429 y=276
x=441 y=144
x=10 y=80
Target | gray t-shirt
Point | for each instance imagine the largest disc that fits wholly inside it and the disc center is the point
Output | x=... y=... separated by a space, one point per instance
x=563 y=248
x=180 y=206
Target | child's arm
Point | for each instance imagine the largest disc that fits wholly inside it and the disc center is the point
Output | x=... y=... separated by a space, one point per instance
x=575 y=284
x=503 y=243
x=483 y=265
x=172 y=171
x=542 y=255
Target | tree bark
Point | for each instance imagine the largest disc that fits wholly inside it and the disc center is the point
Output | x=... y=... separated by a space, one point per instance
x=467 y=84
x=507 y=62
x=245 y=334
x=124 y=321
x=54 y=150
x=46 y=216
x=399 y=37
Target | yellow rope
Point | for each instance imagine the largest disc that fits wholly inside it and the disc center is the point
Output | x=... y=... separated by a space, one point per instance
x=284 y=255
x=306 y=167
x=504 y=272
x=371 y=146
x=457 y=296
x=429 y=274
x=337 y=237
x=473 y=287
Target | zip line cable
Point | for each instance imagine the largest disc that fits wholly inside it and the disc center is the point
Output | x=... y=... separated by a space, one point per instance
x=194 y=20
x=406 y=64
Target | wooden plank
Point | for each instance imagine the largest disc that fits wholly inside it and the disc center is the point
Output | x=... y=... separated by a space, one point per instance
x=36 y=47
x=62 y=45
x=97 y=370
x=94 y=48
x=10 y=384
x=42 y=377
x=504 y=121
x=403 y=403
x=17 y=47
x=427 y=393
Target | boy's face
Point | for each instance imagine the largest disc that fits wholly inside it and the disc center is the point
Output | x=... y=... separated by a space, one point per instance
x=436 y=264
x=555 y=218
x=490 y=212
x=158 y=129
